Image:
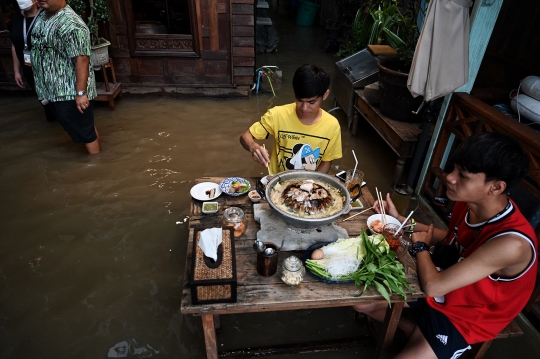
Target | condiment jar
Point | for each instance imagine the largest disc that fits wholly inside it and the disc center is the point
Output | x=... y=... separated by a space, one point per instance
x=235 y=217
x=292 y=271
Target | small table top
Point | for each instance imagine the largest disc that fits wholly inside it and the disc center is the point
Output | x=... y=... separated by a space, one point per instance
x=257 y=293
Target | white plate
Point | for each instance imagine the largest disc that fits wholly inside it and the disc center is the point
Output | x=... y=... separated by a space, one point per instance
x=389 y=219
x=199 y=191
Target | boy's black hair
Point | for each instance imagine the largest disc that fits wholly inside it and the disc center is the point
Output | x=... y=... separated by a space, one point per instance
x=497 y=155
x=310 y=81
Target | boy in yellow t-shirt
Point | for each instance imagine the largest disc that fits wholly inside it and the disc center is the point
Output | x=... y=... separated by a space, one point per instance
x=306 y=137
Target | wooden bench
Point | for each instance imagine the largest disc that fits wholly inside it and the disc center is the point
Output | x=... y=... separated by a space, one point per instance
x=511 y=330
x=108 y=91
x=400 y=136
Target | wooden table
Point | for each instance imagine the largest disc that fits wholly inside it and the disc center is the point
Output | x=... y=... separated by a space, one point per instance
x=262 y=294
x=400 y=136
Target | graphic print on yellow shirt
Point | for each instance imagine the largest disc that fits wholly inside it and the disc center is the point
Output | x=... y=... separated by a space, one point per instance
x=298 y=146
x=304 y=157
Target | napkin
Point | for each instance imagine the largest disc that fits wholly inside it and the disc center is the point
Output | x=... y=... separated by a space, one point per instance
x=209 y=242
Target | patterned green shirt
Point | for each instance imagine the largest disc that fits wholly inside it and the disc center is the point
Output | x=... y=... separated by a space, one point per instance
x=56 y=42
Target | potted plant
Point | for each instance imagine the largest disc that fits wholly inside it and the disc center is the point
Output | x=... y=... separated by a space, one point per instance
x=383 y=22
x=99 y=12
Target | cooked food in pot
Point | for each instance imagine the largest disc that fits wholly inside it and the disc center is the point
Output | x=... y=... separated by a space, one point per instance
x=307 y=198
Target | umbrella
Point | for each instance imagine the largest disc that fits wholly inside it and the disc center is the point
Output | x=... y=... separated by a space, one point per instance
x=441 y=59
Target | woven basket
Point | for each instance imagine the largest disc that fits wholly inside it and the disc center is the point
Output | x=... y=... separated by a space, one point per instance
x=214 y=285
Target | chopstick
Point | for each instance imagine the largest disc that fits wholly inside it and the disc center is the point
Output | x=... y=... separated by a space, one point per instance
x=269 y=173
x=354 y=215
x=381 y=205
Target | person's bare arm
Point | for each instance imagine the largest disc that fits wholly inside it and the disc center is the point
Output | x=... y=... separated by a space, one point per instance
x=324 y=167
x=17 y=68
x=258 y=152
x=81 y=81
x=505 y=256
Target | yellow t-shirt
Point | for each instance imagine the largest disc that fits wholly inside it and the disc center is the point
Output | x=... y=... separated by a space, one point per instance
x=298 y=146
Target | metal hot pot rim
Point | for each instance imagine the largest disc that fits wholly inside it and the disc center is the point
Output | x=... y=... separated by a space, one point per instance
x=300 y=175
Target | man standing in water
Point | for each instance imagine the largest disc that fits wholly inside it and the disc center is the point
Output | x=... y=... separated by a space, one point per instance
x=490 y=252
x=306 y=137
x=62 y=70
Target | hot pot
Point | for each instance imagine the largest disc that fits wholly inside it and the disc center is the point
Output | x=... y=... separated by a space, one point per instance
x=299 y=175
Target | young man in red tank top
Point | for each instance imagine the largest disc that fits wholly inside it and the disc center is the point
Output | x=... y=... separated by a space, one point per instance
x=495 y=249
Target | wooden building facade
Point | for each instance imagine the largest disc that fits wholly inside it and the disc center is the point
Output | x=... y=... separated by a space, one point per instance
x=214 y=56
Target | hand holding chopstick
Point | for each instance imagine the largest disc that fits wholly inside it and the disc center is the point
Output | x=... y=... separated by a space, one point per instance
x=268 y=164
x=354 y=215
x=381 y=205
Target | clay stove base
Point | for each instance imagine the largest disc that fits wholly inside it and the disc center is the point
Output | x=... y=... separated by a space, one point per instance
x=274 y=229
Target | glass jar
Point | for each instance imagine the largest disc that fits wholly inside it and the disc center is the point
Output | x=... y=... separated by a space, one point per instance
x=236 y=218
x=292 y=271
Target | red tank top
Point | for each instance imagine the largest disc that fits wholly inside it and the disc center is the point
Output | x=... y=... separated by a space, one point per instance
x=482 y=309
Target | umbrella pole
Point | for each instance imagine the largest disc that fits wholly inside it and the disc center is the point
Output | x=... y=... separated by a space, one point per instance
x=432 y=113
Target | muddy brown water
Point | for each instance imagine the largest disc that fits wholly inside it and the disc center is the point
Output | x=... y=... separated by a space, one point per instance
x=92 y=248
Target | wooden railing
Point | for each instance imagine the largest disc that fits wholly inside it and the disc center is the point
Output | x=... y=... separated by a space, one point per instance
x=466 y=116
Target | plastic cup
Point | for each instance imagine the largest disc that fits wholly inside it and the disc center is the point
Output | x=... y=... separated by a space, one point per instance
x=353 y=178
x=393 y=237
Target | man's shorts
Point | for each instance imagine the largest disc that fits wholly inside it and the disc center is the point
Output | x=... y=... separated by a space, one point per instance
x=445 y=340
x=80 y=126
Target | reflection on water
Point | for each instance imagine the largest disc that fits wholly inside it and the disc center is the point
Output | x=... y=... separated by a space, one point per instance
x=92 y=248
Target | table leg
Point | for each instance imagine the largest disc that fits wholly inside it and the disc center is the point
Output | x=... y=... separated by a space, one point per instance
x=386 y=337
x=209 y=336
x=398 y=170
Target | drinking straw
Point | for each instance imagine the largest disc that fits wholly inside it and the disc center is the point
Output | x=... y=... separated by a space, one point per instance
x=405 y=221
x=356 y=164
x=354 y=215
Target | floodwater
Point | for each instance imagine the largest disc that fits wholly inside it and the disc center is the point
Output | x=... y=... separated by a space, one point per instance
x=92 y=248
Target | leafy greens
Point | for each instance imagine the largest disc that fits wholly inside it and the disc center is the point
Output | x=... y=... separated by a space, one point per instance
x=379 y=268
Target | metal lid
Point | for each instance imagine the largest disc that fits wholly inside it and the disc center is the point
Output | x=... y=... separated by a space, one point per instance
x=233 y=214
x=292 y=263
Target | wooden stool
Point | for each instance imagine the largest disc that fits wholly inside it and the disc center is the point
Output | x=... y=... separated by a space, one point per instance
x=108 y=91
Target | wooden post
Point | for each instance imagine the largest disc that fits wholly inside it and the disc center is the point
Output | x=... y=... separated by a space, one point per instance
x=209 y=336
x=391 y=321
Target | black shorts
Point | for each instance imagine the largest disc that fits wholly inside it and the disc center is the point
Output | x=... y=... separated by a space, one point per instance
x=80 y=126
x=445 y=340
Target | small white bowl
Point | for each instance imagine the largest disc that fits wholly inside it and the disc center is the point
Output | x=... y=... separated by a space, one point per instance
x=207 y=210
x=254 y=196
x=372 y=218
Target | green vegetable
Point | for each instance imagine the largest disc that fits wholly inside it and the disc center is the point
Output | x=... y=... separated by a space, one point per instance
x=350 y=245
x=381 y=269
x=239 y=187
x=379 y=266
